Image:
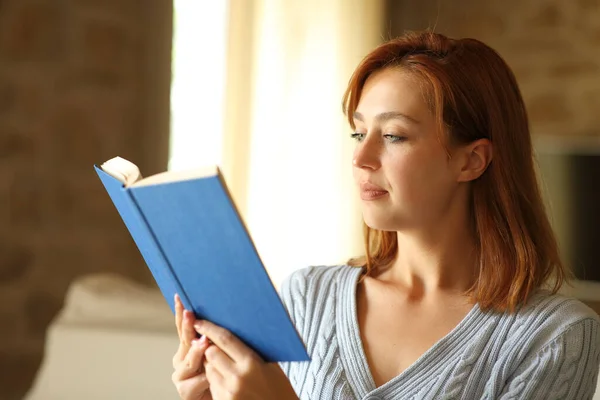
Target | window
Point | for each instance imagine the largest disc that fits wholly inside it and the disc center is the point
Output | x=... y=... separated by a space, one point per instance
x=197 y=89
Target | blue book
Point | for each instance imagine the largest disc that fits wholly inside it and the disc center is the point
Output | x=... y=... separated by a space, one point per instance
x=195 y=243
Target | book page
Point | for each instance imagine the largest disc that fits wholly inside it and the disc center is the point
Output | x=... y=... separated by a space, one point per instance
x=175 y=176
x=128 y=173
x=122 y=169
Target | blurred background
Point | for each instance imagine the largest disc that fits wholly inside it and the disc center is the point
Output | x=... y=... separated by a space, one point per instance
x=254 y=86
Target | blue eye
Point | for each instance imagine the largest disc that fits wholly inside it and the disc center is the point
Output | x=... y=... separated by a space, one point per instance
x=395 y=138
x=359 y=137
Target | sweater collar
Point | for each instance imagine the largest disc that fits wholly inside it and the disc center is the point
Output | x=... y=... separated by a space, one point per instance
x=353 y=356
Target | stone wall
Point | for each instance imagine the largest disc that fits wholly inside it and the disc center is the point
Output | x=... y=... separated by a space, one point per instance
x=80 y=81
x=553 y=47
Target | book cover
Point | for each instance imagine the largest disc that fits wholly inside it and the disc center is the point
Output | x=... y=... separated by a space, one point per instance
x=194 y=243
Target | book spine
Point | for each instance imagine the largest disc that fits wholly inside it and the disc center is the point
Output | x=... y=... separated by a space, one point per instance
x=160 y=276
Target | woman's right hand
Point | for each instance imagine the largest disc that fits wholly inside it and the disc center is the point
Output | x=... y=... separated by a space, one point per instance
x=189 y=376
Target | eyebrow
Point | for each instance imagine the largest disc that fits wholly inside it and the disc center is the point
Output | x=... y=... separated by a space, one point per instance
x=386 y=116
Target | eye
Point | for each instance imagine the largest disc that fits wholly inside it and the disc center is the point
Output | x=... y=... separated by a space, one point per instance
x=359 y=137
x=395 y=138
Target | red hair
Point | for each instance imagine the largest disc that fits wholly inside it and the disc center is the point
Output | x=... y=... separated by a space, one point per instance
x=473 y=94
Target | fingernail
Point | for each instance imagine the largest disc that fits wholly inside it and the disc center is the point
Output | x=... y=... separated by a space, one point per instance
x=176 y=297
x=198 y=325
x=200 y=342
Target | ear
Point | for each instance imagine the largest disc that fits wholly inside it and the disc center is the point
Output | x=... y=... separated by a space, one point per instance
x=476 y=157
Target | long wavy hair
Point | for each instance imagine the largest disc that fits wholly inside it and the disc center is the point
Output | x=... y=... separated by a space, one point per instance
x=473 y=94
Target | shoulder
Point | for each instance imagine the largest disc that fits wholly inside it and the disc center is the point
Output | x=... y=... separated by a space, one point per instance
x=548 y=319
x=556 y=313
x=554 y=346
x=320 y=272
x=315 y=287
x=315 y=279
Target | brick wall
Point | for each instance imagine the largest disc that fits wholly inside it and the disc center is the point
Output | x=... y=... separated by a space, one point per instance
x=80 y=82
x=553 y=47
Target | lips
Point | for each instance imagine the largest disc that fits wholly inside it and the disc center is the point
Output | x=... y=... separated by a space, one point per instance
x=368 y=186
x=370 y=191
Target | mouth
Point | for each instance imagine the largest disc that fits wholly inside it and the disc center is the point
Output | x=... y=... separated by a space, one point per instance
x=372 y=194
x=369 y=191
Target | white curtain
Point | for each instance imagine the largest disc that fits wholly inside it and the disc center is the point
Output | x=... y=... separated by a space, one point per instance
x=198 y=77
x=287 y=150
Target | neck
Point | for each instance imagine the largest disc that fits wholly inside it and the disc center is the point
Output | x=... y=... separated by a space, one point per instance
x=441 y=258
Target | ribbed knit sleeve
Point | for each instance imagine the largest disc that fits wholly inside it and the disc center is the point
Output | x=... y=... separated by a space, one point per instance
x=565 y=368
x=293 y=295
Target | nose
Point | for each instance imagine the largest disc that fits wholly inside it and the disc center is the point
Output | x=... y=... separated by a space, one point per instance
x=367 y=153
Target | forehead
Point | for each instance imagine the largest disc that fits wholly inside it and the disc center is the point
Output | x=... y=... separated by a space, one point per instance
x=393 y=90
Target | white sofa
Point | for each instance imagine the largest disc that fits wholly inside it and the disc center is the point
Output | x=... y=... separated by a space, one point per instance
x=113 y=340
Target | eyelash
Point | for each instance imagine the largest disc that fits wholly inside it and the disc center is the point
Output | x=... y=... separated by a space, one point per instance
x=359 y=137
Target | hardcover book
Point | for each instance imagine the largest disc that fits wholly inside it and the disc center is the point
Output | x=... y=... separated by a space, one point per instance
x=193 y=240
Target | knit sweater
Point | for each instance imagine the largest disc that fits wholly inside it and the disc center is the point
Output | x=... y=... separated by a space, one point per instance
x=549 y=349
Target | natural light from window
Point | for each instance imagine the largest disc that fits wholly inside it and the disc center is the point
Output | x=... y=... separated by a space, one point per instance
x=197 y=88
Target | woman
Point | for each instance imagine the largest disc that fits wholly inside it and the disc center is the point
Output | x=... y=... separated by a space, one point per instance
x=456 y=296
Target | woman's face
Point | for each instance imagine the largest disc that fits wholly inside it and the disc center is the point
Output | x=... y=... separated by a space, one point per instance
x=405 y=177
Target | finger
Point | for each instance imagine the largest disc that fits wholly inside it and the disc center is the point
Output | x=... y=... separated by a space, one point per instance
x=225 y=340
x=178 y=314
x=216 y=381
x=188 y=331
x=220 y=361
x=181 y=353
x=193 y=361
x=193 y=388
x=183 y=348
x=186 y=336
x=197 y=354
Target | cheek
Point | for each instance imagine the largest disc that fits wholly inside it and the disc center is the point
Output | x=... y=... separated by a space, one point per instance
x=405 y=174
x=418 y=178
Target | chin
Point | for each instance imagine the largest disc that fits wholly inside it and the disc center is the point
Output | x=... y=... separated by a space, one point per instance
x=381 y=223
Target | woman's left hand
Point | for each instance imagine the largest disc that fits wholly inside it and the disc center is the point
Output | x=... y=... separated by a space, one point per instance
x=236 y=372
